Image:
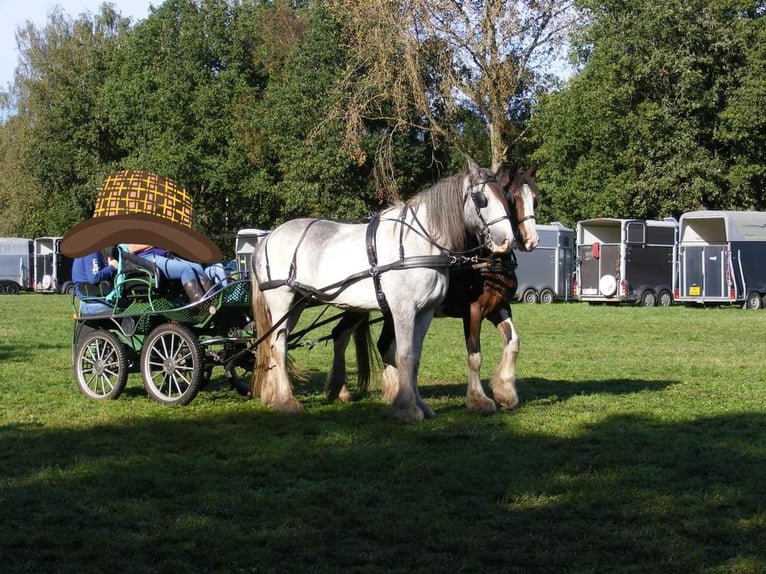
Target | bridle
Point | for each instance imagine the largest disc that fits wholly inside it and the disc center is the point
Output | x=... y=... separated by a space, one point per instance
x=480 y=201
x=515 y=219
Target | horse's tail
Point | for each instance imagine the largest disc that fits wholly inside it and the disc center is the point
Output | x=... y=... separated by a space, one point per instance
x=364 y=352
x=263 y=323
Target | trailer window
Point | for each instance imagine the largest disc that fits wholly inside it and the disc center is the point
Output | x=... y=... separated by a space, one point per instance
x=661 y=235
x=635 y=232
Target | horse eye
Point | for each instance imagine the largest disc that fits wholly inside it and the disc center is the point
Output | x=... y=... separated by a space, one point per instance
x=480 y=199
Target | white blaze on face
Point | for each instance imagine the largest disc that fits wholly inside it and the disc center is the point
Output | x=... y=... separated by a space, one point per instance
x=528 y=227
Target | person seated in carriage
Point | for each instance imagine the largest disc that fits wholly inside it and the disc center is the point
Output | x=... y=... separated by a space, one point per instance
x=92 y=276
x=196 y=280
x=142 y=206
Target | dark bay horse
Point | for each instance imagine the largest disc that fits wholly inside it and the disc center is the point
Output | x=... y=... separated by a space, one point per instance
x=476 y=292
x=397 y=263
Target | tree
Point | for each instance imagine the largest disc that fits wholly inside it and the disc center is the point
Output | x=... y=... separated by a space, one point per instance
x=646 y=129
x=58 y=136
x=432 y=63
x=184 y=80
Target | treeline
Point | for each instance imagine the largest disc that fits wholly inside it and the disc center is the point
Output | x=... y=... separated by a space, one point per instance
x=243 y=103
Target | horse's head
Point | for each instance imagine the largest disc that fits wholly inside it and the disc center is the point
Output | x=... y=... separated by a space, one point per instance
x=521 y=192
x=486 y=208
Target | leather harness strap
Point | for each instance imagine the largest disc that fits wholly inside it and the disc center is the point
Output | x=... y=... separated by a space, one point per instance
x=372 y=258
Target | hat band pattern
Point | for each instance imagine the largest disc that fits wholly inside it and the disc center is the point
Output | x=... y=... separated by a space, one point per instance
x=130 y=192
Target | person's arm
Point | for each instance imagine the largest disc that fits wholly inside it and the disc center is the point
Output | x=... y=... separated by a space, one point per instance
x=106 y=273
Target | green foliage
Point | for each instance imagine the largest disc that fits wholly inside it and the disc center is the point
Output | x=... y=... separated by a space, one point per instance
x=647 y=128
x=239 y=101
x=67 y=141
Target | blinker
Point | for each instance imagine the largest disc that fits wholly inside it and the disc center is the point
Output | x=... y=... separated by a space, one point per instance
x=480 y=199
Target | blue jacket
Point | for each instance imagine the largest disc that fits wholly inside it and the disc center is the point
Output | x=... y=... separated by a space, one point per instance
x=91 y=269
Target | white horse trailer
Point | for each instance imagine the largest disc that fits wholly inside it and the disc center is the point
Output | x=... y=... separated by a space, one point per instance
x=244 y=245
x=16 y=264
x=722 y=258
x=626 y=260
x=546 y=274
x=53 y=269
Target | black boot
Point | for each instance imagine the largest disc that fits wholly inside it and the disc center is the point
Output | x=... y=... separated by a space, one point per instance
x=193 y=290
x=206 y=284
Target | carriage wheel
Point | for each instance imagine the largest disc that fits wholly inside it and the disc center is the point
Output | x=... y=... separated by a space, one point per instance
x=665 y=299
x=101 y=365
x=529 y=296
x=547 y=296
x=172 y=364
x=239 y=372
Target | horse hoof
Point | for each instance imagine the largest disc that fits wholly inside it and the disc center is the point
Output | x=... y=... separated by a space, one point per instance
x=289 y=407
x=428 y=412
x=509 y=403
x=484 y=407
x=345 y=396
x=409 y=415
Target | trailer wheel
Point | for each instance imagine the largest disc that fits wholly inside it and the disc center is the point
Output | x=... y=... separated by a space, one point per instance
x=101 y=365
x=172 y=364
x=11 y=289
x=754 y=301
x=529 y=297
x=665 y=299
x=547 y=296
x=648 y=299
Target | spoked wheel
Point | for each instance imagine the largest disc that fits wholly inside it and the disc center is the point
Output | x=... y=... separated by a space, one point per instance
x=101 y=365
x=172 y=364
x=239 y=372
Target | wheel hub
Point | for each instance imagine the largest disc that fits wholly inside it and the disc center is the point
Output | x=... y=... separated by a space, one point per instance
x=99 y=367
x=169 y=365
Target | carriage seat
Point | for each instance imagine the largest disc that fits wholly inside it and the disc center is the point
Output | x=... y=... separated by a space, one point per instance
x=138 y=278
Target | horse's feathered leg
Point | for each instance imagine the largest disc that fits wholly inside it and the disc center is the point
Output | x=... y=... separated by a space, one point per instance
x=408 y=405
x=475 y=399
x=270 y=379
x=389 y=379
x=504 y=379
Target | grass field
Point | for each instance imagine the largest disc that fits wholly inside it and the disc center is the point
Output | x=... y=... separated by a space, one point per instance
x=639 y=446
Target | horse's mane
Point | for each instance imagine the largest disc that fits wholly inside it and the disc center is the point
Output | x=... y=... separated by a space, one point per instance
x=444 y=204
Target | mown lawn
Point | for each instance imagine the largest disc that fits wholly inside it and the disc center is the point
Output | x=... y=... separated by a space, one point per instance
x=639 y=446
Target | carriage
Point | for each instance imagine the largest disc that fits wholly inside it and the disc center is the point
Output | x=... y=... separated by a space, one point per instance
x=153 y=330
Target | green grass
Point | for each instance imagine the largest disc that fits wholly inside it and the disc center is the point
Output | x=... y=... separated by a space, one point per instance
x=639 y=446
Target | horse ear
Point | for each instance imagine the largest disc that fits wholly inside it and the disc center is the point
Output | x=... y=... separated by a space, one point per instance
x=471 y=165
x=497 y=165
x=532 y=171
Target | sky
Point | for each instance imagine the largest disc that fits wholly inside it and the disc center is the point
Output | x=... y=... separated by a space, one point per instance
x=15 y=13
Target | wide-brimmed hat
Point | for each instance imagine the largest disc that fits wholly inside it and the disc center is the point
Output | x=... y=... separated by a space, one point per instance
x=141 y=207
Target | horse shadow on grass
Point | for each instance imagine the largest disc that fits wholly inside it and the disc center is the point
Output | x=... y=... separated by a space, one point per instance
x=244 y=489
